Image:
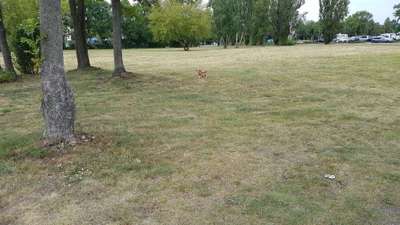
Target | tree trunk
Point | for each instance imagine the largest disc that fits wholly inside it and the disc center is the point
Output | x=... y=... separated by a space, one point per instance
x=225 y=42
x=251 y=40
x=186 y=46
x=77 y=8
x=242 y=40
x=119 y=68
x=58 y=100
x=237 y=40
x=5 y=50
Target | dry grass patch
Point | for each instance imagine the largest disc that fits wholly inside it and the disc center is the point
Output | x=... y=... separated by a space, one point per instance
x=249 y=145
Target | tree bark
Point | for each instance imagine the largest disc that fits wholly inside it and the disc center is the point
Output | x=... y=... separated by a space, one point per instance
x=225 y=42
x=119 y=68
x=5 y=50
x=77 y=8
x=237 y=40
x=242 y=39
x=186 y=46
x=58 y=106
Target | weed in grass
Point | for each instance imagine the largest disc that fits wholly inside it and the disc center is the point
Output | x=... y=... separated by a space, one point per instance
x=6 y=168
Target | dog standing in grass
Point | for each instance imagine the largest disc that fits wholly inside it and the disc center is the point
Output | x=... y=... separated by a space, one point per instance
x=202 y=74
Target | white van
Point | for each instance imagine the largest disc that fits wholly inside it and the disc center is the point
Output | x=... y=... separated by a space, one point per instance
x=389 y=36
x=342 y=38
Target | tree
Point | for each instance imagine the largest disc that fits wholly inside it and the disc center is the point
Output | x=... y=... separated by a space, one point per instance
x=119 y=68
x=389 y=25
x=308 y=30
x=243 y=11
x=224 y=19
x=284 y=14
x=186 y=24
x=260 y=21
x=16 y=11
x=9 y=67
x=244 y=21
x=77 y=8
x=331 y=14
x=378 y=29
x=26 y=46
x=58 y=100
x=397 y=11
x=99 y=21
x=360 y=23
x=135 y=25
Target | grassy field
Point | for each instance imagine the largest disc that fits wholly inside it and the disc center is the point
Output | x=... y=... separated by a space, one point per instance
x=249 y=145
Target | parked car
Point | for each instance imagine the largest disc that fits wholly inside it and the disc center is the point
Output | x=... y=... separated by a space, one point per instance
x=364 y=38
x=319 y=40
x=342 y=38
x=398 y=36
x=381 y=39
x=354 y=39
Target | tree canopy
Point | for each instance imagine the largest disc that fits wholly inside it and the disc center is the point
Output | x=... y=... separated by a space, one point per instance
x=284 y=16
x=331 y=14
x=16 y=11
x=186 y=24
x=359 y=23
x=397 y=11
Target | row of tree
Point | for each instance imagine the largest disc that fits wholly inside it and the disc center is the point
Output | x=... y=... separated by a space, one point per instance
x=359 y=23
x=249 y=21
x=155 y=23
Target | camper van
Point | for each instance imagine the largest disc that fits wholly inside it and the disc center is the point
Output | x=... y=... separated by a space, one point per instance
x=342 y=38
x=389 y=36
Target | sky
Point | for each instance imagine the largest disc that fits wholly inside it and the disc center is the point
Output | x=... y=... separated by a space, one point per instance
x=381 y=9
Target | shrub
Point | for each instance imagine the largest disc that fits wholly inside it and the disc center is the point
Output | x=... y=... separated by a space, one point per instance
x=26 y=44
x=291 y=42
x=6 y=76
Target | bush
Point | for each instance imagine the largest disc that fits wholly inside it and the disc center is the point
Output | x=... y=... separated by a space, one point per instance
x=26 y=45
x=6 y=76
x=291 y=42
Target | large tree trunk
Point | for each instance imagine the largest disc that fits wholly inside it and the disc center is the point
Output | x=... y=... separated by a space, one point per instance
x=5 y=50
x=119 y=68
x=58 y=100
x=77 y=8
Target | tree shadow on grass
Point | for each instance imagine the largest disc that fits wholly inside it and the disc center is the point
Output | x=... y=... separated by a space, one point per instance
x=100 y=74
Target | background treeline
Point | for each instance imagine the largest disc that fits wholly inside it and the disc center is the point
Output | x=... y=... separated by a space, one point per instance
x=359 y=23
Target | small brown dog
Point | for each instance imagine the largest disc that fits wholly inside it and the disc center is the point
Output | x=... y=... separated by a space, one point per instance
x=202 y=74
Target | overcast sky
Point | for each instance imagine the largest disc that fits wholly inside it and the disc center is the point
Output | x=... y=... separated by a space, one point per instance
x=381 y=9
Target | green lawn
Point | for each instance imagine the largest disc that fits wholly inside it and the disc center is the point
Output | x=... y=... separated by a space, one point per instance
x=249 y=145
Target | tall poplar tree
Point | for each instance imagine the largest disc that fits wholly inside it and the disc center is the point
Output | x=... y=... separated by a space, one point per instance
x=331 y=14
x=283 y=15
